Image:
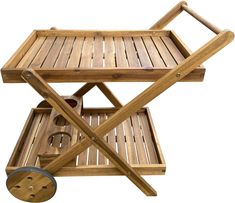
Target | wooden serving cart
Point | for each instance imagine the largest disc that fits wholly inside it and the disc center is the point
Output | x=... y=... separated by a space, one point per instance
x=62 y=138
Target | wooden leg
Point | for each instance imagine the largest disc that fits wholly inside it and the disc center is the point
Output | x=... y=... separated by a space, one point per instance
x=176 y=74
x=149 y=94
x=72 y=116
x=84 y=89
x=107 y=92
x=103 y=88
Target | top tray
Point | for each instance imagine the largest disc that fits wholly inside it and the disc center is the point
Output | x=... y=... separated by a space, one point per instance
x=97 y=56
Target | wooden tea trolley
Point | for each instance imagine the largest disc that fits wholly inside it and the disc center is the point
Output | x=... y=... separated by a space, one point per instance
x=62 y=138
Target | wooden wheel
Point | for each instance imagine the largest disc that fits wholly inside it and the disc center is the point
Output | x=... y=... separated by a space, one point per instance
x=31 y=184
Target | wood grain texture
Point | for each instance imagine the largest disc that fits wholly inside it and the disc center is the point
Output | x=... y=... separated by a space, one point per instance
x=87 y=164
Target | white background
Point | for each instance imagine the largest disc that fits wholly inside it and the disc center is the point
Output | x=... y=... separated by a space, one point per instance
x=194 y=121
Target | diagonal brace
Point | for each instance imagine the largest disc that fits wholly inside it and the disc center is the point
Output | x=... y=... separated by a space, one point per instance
x=176 y=74
x=72 y=116
x=103 y=88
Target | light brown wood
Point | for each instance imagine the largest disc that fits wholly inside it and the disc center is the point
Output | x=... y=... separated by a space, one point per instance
x=87 y=52
x=153 y=53
x=121 y=58
x=31 y=53
x=64 y=55
x=98 y=52
x=21 y=51
x=173 y=49
x=85 y=59
x=31 y=184
x=94 y=75
x=164 y=52
x=142 y=52
x=20 y=143
x=104 y=170
x=61 y=106
x=108 y=93
x=166 y=19
x=109 y=49
x=42 y=53
x=104 y=33
x=123 y=139
x=84 y=89
x=75 y=56
x=131 y=52
x=54 y=52
x=154 y=90
x=167 y=80
x=210 y=26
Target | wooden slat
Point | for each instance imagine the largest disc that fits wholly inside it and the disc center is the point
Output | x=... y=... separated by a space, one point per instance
x=65 y=53
x=76 y=53
x=26 y=148
x=92 y=159
x=132 y=155
x=153 y=52
x=20 y=143
x=152 y=154
x=83 y=156
x=87 y=52
x=37 y=140
x=111 y=139
x=173 y=49
x=21 y=51
x=98 y=52
x=54 y=52
x=109 y=49
x=31 y=53
x=102 y=159
x=121 y=141
x=139 y=140
x=131 y=52
x=42 y=53
x=166 y=56
x=142 y=52
x=121 y=59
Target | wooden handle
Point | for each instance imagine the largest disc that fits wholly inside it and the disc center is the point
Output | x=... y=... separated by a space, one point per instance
x=210 y=26
x=166 y=19
x=183 y=6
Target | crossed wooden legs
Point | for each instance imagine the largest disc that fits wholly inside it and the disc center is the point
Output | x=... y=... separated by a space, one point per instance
x=93 y=136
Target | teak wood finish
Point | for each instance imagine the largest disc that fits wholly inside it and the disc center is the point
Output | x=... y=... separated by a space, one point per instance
x=95 y=57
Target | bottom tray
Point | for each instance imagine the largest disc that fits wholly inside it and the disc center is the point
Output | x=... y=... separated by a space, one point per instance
x=134 y=139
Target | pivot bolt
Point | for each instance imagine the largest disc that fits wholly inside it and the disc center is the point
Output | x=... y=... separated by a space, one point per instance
x=178 y=75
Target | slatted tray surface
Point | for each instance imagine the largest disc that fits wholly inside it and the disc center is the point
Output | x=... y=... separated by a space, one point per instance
x=62 y=56
x=134 y=139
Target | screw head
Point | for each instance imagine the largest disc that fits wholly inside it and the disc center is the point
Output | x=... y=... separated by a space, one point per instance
x=93 y=138
x=178 y=75
x=28 y=75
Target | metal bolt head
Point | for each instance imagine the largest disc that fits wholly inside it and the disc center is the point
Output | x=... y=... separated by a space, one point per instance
x=93 y=138
x=178 y=75
x=28 y=75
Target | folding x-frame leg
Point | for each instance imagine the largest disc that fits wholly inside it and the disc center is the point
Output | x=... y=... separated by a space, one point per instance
x=94 y=135
x=91 y=136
